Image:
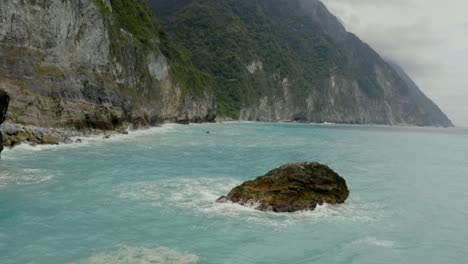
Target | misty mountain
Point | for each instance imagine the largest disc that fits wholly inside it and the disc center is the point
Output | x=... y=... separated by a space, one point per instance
x=276 y=60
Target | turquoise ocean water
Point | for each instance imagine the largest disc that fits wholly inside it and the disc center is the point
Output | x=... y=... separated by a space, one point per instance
x=149 y=197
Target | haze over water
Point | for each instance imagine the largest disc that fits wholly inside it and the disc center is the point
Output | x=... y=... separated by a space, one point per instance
x=149 y=197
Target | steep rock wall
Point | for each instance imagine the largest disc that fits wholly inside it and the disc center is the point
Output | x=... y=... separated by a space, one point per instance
x=70 y=63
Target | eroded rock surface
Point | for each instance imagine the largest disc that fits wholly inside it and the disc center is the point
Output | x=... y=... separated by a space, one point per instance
x=73 y=64
x=292 y=187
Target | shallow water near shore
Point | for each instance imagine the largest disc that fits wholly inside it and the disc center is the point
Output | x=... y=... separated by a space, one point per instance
x=149 y=197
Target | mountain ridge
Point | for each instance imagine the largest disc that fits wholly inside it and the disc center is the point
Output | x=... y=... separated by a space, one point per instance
x=331 y=75
x=109 y=64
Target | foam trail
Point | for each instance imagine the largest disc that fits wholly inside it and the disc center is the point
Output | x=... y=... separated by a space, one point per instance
x=199 y=196
x=140 y=255
x=375 y=242
x=9 y=177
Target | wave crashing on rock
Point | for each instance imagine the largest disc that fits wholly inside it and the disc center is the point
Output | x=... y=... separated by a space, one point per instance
x=292 y=187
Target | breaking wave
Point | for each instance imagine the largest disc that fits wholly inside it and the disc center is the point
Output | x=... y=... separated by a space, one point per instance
x=199 y=196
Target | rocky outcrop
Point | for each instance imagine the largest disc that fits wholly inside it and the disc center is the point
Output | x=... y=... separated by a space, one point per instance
x=74 y=64
x=15 y=134
x=4 y=101
x=290 y=188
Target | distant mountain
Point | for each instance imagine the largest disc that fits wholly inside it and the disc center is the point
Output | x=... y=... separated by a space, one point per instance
x=425 y=104
x=292 y=60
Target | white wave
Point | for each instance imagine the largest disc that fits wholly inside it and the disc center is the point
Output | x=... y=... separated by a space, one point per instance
x=199 y=196
x=9 y=177
x=240 y=122
x=375 y=242
x=325 y=123
x=140 y=255
x=86 y=141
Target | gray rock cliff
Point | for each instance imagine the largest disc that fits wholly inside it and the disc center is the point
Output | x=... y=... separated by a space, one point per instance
x=72 y=64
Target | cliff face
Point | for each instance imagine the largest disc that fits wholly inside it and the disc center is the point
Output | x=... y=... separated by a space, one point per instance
x=277 y=60
x=106 y=64
x=4 y=101
x=82 y=64
x=419 y=109
x=426 y=105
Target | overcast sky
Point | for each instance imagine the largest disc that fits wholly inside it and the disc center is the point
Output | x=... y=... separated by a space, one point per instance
x=428 y=38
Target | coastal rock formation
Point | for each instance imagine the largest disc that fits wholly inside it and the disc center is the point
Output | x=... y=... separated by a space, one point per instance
x=4 y=101
x=95 y=65
x=292 y=61
x=15 y=134
x=100 y=65
x=292 y=187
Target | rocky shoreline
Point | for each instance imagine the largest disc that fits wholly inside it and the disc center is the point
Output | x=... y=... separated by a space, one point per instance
x=15 y=134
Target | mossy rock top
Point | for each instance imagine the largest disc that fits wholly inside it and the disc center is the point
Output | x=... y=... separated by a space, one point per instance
x=292 y=187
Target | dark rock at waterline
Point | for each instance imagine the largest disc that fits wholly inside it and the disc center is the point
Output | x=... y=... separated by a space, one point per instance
x=222 y=199
x=292 y=187
x=4 y=101
x=1 y=143
x=68 y=140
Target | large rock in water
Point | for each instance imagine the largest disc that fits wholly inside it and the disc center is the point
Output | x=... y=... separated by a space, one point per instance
x=4 y=101
x=292 y=187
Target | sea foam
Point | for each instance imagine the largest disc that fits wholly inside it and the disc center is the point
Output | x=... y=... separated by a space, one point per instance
x=141 y=255
x=10 y=177
x=198 y=196
x=375 y=242
x=86 y=141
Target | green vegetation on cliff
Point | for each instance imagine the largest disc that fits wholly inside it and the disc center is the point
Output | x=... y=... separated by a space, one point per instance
x=135 y=18
x=264 y=59
x=181 y=66
x=225 y=37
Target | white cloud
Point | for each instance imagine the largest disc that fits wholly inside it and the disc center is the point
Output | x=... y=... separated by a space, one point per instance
x=428 y=38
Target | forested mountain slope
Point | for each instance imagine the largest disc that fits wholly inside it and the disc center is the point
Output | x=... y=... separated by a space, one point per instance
x=277 y=60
